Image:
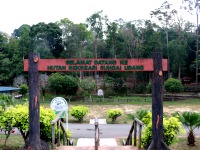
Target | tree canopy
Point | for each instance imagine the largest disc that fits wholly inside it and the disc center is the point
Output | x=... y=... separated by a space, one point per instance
x=98 y=37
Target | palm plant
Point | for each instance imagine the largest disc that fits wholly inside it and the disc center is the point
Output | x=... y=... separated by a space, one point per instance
x=191 y=120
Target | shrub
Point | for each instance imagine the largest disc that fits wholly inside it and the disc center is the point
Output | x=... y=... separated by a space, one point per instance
x=5 y=100
x=171 y=127
x=67 y=85
x=70 y=85
x=140 y=88
x=119 y=86
x=114 y=114
x=146 y=119
x=46 y=116
x=79 y=112
x=173 y=86
x=18 y=117
x=149 y=87
x=23 y=89
x=88 y=85
x=141 y=113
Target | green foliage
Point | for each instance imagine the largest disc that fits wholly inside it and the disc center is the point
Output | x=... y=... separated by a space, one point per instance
x=140 y=88
x=46 y=116
x=191 y=120
x=114 y=114
x=144 y=115
x=18 y=117
x=70 y=85
x=147 y=135
x=78 y=112
x=171 y=127
x=5 y=100
x=173 y=86
x=107 y=86
x=119 y=86
x=88 y=85
x=46 y=39
x=55 y=82
x=23 y=89
x=131 y=116
x=62 y=84
x=149 y=87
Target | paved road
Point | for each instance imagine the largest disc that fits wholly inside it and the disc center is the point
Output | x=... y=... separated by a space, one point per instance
x=106 y=130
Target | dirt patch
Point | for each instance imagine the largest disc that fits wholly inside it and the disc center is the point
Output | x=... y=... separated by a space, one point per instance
x=101 y=110
x=171 y=109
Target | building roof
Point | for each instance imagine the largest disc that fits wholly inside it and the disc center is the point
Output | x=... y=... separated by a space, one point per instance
x=4 y=89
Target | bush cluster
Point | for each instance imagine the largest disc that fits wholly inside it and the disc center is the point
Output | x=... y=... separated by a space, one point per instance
x=18 y=117
x=114 y=114
x=79 y=112
x=23 y=89
x=62 y=84
x=171 y=126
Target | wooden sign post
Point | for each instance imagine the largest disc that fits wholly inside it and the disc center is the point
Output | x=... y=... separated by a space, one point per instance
x=157 y=105
x=157 y=65
x=34 y=141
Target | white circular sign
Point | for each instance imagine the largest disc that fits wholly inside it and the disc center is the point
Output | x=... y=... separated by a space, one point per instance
x=59 y=104
x=100 y=92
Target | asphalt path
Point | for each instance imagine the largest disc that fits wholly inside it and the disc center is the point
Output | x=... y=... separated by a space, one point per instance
x=107 y=130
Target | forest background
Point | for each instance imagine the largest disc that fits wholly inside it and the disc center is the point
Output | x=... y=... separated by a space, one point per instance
x=98 y=37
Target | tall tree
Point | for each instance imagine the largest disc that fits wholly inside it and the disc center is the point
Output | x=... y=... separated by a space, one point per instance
x=111 y=38
x=5 y=63
x=131 y=40
x=96 y=23
x=181 y=49
x=24 y=39
x=194 y=7
x=163 y=14
x=74 y=38
x=152 y=39
x=47 y=39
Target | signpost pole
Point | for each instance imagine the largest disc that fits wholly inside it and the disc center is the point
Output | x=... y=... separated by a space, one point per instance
x=66 y=116
x=34 y=103
x=157 y=142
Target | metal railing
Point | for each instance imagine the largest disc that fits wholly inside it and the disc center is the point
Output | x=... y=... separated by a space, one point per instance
x=60 y=125
x=97 y=139
x=134 y=127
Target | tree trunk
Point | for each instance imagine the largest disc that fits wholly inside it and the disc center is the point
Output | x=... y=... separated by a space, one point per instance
x=34 y=142
x=157 y=105
x=168 y=58
x=95 y=51
x=179 y=72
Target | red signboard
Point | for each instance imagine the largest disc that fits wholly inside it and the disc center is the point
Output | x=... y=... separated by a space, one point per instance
x=62 y=65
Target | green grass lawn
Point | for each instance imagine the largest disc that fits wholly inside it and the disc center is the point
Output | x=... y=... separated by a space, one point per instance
x=14 y=142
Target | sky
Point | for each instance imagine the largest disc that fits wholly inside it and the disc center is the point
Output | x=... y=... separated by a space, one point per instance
x=14 y=13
